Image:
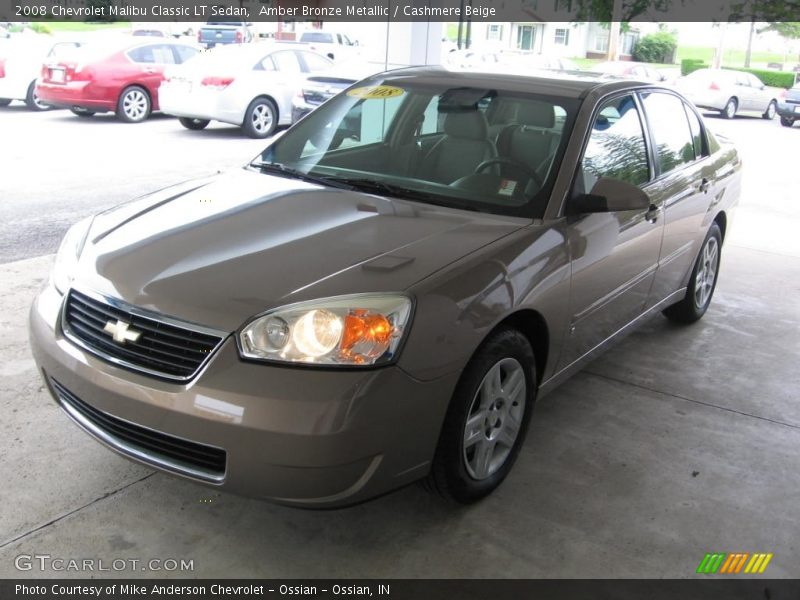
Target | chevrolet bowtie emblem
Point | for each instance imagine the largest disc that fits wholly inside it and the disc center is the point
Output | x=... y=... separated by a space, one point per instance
x=121 y=333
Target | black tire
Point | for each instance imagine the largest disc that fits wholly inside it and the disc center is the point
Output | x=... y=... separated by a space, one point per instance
x=82 y=112
x=731 y=106
x=134 y=105
x=787 y=121
x=260 y=119
x=690 y=309
x=452 y=473
x=194 y=124
x=769 y=114
x=32 y=100
x=5 y=101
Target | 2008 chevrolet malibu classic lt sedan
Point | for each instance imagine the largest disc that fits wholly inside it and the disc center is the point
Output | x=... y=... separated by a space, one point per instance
x=383 y=293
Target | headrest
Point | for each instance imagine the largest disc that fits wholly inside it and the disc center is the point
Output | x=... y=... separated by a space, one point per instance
x=467 y=124
x=536 y=114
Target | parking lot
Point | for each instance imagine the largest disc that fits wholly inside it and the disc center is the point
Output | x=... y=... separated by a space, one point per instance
x=678 y=442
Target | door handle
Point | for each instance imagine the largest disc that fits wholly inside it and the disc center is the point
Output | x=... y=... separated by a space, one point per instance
x=704 y=185
x=149 y=70
x=652 y=213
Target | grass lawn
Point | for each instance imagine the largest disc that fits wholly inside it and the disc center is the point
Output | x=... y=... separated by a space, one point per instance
x=734 y=57
x=82 y=26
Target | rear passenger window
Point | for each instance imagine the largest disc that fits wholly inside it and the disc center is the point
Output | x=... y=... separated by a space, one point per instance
x=143 y=54
x=616 y=147
x=286 y=62
x=697 y=132
x=673 y=143
x=184 y=53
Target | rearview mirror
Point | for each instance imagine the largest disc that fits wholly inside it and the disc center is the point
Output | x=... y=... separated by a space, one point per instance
x=610 y=195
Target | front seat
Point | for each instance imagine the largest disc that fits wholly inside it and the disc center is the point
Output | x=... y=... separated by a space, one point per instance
x=464 y=145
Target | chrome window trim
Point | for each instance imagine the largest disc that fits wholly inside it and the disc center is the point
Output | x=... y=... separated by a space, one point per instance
x=146 y=314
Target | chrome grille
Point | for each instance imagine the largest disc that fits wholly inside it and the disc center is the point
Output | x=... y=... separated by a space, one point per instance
x=164 y=347
x=148 y=445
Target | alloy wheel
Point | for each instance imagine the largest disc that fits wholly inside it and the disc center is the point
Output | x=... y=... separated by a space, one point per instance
x=262 y=118
x=494 y=419
x=706 y=273
x=134 y=105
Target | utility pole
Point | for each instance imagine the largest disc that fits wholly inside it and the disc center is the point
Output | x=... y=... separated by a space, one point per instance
x=614 y=30
x=723 y=28
x=750 y=44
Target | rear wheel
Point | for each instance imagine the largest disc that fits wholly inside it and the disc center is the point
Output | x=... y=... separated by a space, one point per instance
x=730 y=109
x=32 y=100
x=787 y=121
x=769 y=114
x=5 y=101
x=194 y=124
x=261 y=118
x=133 y=105
x=702 y=283
x=82 y=112
x=487 y=419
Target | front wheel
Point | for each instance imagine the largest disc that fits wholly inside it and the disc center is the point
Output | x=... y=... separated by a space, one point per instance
x=194 y=124
x=32 y=99
x=702 y=282
x=133 y=105
x=787 y=121
x=260 y=119
x=769 y=114
x=730 y=109
x=487 y=419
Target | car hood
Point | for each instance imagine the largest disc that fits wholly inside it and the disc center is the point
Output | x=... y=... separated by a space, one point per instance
x=220 y=250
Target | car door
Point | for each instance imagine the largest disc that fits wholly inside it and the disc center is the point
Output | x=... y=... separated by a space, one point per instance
x=745 y=93
x=684 y=177
x=151 y=60
x=761 y=96
x=276 y=75
x=614 y=255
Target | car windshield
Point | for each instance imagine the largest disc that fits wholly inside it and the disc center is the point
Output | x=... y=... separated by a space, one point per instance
x=478 y=148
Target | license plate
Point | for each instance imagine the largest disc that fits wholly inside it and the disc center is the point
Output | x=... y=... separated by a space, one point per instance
x=797 y=109
x=57 y=75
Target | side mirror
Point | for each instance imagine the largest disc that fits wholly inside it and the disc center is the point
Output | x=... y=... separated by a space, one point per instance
x=610 y=195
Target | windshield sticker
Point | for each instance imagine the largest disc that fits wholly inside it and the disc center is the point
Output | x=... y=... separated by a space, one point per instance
x=507 y=187
x=376 y=92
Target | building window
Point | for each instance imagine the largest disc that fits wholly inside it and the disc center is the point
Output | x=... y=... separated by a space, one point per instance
x=526 y=34
x=601 y=42
x=562 y=37
x=494 y=32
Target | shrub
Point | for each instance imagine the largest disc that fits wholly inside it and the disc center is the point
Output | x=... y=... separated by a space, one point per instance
x=772 y=78
x=657 y=47
x=688 y=65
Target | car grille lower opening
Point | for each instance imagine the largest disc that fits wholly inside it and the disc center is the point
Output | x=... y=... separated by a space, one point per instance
x=162 y=349
x=172 y=453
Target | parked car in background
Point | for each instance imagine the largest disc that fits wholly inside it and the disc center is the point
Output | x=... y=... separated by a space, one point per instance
x=336 y=45
x=337 y=320
x=151 y=32
x=216 y=33
x=21 y=60
x=789 y=106
x=123 y=76
x=625 y=69
x=321 y=87
x=250 y=85
x=729 y=92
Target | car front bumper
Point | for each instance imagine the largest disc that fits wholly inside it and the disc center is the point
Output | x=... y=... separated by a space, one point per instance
x=75 y=93
x=294 y=435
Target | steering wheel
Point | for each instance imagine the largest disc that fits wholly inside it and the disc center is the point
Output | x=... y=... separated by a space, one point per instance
x=511 y=162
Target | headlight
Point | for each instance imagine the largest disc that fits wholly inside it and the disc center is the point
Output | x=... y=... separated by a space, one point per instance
x=358 y=330
x=68 y=254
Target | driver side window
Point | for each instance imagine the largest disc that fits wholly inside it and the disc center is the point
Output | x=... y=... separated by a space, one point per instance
x=616 y=147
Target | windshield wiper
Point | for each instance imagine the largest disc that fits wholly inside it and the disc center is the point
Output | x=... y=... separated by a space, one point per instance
x=372 y=186
x=281 y=169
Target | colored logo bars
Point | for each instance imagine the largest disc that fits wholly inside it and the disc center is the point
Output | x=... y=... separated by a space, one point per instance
x=720 y=563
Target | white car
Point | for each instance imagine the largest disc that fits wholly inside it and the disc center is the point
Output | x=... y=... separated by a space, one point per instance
x=250 y=85
x=729 y=92
x=21 y=60
x=336 y=45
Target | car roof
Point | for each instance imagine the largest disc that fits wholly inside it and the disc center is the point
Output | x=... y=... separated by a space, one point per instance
x=569 y=84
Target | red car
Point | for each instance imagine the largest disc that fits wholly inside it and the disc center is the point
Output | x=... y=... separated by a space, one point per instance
x=123 y=77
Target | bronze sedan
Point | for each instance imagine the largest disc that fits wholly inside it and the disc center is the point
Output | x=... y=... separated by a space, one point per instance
x=382 y=295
